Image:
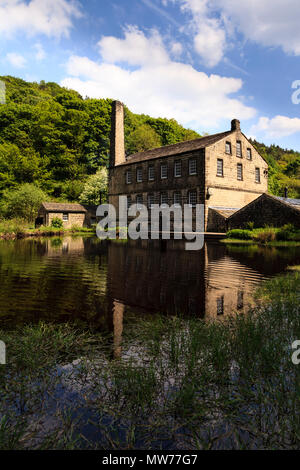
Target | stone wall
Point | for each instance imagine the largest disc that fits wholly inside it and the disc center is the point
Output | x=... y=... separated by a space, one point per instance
x=215 y=222
x=227 y=190
x=265 y=210
x=74 y=219
x=185 y=183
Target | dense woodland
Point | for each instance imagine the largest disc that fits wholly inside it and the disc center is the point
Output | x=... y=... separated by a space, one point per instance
x=56 y=139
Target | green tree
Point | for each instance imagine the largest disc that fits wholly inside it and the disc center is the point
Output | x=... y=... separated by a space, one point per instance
x=142 y=138
x=95 y=189
x=23 y=202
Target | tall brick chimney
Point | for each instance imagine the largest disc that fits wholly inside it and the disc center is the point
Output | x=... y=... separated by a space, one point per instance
x=235 y=125
x=117 y=147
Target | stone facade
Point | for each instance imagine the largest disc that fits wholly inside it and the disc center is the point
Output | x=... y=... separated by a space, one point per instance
x=70 y=214
x=223 y=175
x=267 y=210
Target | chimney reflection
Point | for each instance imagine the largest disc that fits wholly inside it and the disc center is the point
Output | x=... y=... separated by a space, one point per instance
x=118 y=315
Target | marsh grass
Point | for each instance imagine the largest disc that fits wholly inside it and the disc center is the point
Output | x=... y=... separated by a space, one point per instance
x=19 y=228
x=179 y=384
x=284 y=236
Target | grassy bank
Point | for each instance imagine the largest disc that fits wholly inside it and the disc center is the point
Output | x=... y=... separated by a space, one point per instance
x=287 y=235
x=178 y=383
x=19 y=228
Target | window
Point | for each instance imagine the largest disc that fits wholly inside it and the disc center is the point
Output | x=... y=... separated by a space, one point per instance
x=220 y=305
x=164 y=171
x=150 y=200
x=151 y=173
x=65 y=217
x=257 y=175
x=249 y=154
x=129 y=202
x=177 y=198
x=193 y=166
x=164 y=199
x=139 y=175
x=192 y=198
x=239 y=171
x=139 y=200
x=228 y=148
x=128 y=177
x=177 y=169
x=220 y=171
x=239 y=149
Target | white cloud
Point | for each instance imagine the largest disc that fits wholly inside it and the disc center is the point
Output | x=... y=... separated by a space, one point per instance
x=16 y=60
x=271 y=23
x=208 y=31
x=279 y=126
x=176 y=49
x=157 y=86
x=268 y=22
x=209 y=43
x=135 y=49
x=52 y=18
x=39 y=51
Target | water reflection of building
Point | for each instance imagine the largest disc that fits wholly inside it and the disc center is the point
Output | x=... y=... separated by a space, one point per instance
x=56 y=246
x=156 y=277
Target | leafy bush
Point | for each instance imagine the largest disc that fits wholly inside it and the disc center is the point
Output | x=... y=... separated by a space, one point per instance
x=22 y=202
x=16 y=226
x=240 y=234
x=286 y=232
x=250 y=225
x=265 y=236
x=56 y=222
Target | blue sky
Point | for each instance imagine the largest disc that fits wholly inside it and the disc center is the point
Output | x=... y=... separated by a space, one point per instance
x=202 y=62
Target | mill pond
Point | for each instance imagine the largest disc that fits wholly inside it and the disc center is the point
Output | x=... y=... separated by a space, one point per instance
x=141 y=344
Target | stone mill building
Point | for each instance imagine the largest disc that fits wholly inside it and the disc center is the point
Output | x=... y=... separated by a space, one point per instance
x=222 y=171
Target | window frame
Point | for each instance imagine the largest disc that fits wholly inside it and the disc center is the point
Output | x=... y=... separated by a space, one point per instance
x=190 y=162
x=150 y=204
x=239 y=146
x=151 y=167
x=164 y=204
x=65 y=217
x=139 y=174
x=177 y=162
x=128 y=176
x=192 y=191
x=163 y=165
x=257 y=172
x=239 y=166
x=249 y=153
x=222 y=161
x=227 y=143
x=177 y=204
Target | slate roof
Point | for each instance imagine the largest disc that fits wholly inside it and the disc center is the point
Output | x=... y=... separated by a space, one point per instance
x=62 y=207
x=224 y=211
x=292 y=202
x=176 y=149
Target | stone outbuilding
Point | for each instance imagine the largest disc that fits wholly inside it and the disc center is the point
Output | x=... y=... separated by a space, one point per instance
x=70 y=214
x=266 y=210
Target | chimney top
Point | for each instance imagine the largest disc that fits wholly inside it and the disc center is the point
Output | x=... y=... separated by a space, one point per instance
x=235 y=125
